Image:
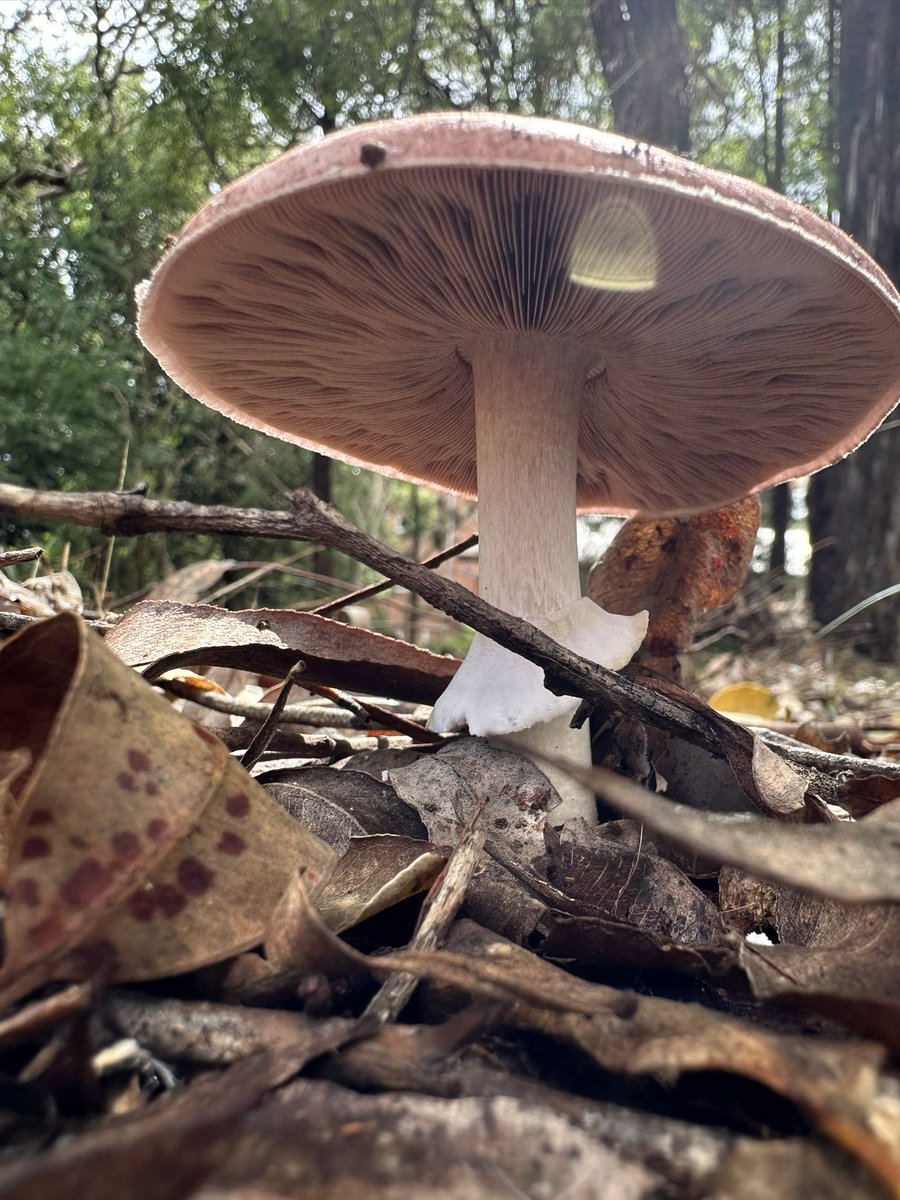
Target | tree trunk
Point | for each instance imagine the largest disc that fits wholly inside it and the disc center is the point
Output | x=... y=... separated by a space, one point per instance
x=321 y=486
x=781 y=495
x=855 y=506
x=645 y=57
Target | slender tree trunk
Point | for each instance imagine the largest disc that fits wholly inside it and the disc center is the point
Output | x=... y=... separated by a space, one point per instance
x=855 y=506
x=321 y=485
x=415 y=552
x=644 y=54
x=781 y=495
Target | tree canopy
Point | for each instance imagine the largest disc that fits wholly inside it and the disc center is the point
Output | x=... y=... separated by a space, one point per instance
x=118 y=118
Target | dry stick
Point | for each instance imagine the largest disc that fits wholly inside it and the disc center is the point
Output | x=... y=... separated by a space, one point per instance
x=371 y=711
x=565 y=673
x=825 y=760
x=11 y=558
x=324 y=610
x=266 y=731
x=438 y=912
x=291 y=714
x=349 y=713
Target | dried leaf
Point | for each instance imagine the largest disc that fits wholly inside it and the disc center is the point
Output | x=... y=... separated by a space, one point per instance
x=374 y=806
x=376 y=873
x=745 y=700
x=603 y=942
x=679 y=568
x=771 y=783
x=854 y=862
x=835 y=1083
x=131 y=817
x=694 y=1160
x=326 y=820
x=632 y=886
x=445 y=788
x=269 y=641
x=41 y=596
x=840 y=959
x=847 y=965
x=190 y=583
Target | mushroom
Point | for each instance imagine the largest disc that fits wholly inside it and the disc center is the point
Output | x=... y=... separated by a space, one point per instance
x=614 y=328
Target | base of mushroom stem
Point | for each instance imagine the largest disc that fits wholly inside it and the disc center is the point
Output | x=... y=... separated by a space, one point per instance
x=558 y=739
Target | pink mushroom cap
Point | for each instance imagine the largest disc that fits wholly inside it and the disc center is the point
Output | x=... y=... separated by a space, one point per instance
x=737 y=339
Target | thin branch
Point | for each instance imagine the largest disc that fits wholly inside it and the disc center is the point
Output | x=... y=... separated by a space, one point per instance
x=332 y=606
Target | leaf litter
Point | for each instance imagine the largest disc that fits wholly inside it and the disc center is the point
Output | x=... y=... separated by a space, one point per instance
x=408 y=981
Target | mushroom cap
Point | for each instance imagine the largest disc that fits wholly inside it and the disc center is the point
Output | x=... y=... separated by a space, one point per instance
x=328 y=298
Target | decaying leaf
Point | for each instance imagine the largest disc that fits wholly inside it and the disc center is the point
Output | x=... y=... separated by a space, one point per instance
x=692 y=1159
x=854 y=862
x=370 y=803
x=444 y=788
x=41 y=596
x=375 y=873
x=630 y=884
x=833 y=958
x=768 y=780
x=191 y=582
x=140 y=847
x=678 y=568
x=400 y=1147
x=447 y=787
x=269 y=641
x=834 y=1082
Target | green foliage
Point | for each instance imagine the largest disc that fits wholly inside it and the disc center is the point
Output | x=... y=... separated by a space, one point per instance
x=119 y=118
x=735 y=90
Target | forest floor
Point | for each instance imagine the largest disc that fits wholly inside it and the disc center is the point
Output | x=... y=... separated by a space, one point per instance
x=299 y=946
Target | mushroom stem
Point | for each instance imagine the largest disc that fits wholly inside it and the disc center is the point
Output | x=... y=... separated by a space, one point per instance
x=528 y=390
x=528 y=395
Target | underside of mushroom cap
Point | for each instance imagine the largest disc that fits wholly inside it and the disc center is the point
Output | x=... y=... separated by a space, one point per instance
x=328 y=298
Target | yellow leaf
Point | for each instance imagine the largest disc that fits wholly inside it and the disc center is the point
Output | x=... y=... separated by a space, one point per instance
x=746 y=700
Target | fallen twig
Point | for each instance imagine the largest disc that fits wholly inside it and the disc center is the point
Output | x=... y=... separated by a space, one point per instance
x=332 y=606
x=11 y=558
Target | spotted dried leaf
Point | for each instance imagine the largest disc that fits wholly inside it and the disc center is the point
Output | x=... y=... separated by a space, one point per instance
x=141 y=847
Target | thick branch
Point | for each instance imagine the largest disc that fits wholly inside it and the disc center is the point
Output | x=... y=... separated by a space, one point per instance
x=125 y=514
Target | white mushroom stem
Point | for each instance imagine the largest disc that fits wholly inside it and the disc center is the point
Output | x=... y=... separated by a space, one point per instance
x=528 y=391
x=528 y=394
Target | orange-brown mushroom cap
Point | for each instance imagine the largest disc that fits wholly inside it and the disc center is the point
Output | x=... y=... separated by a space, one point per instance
x=328 y=297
